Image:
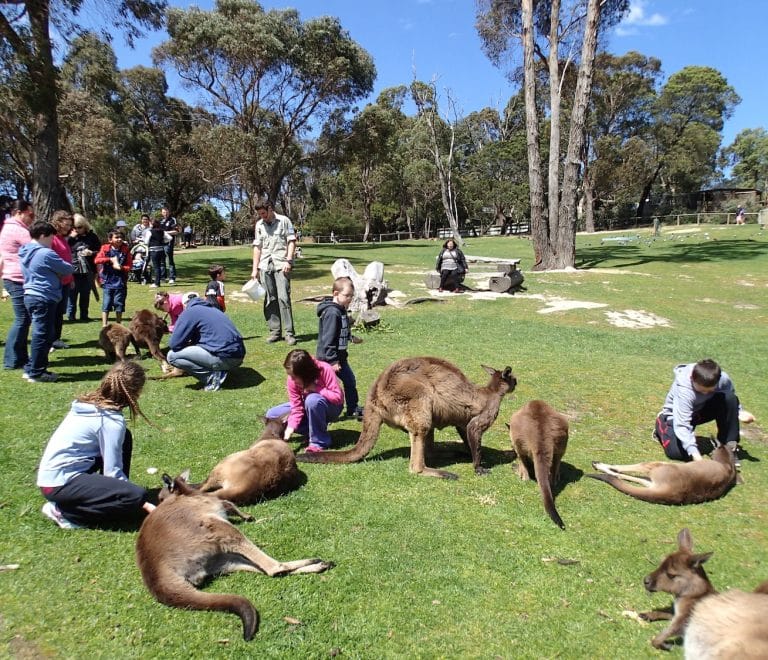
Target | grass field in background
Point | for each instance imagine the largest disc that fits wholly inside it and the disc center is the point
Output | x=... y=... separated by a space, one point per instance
x=424 y=568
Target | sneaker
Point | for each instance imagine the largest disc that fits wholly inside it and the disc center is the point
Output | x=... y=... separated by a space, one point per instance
x=59 y=344
x=314 y=449
x=153 y=286
x=45 y=377
x=50 y=510
x=357 y=413
x=25 y=375
x=273 y=338
x=290 y=340
x=214 y=381
x=223 y=376
x=171 y=281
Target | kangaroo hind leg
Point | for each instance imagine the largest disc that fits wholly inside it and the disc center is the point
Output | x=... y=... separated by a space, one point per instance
x=417 y=465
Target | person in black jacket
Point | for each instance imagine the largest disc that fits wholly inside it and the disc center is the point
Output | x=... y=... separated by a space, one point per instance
x=333 y=338
x=452 y=267
x=85 y=245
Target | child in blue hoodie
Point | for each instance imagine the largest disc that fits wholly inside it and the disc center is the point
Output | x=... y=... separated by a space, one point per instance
x=85 y=466
x=43 y=271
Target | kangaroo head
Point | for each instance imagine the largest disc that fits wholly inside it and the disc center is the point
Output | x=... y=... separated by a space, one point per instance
x=274 y=427
x=503 y=381
x=177 y=486
x=681 y=573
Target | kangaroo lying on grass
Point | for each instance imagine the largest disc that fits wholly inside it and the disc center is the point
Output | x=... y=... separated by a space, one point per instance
x=673 y=483
x=539 y=437
x=268 y=467
x=188 y=539
x=419 y=395
x=729 y=625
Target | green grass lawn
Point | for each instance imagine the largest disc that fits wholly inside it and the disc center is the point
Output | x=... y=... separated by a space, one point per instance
x=424 y=568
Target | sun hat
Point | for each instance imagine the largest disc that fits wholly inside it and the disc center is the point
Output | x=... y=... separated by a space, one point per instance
x=188 y=296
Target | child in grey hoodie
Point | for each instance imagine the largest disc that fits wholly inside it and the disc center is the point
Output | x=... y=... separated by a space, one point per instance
x=43 y=271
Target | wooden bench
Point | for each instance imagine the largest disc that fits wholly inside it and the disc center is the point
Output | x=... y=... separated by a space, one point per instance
x=511 y=277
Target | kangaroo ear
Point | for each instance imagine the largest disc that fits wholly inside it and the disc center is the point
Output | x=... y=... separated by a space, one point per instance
x=184 y=476
x=698 y=560
x=167 y=481
x=490 y=370
x=507 y=373
x=684 y=540
x=506 y=424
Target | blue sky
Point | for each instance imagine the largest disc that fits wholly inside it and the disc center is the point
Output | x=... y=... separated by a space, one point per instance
x=437 y=39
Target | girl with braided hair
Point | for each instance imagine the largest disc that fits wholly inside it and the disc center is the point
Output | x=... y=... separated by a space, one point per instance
x=85 y=466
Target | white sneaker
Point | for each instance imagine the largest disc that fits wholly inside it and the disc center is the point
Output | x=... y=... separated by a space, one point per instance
x=171 y=281
x=153 y=286
x=50 y=510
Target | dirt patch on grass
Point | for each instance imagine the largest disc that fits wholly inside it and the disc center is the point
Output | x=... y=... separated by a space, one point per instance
x=636 y=319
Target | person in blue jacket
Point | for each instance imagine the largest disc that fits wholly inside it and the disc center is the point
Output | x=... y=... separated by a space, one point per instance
x=43 y=271
x=205 y=343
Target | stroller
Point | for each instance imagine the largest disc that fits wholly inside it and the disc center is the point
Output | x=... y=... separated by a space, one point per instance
x=141 y=269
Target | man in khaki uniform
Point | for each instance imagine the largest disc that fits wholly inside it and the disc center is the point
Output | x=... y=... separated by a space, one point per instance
x=273 y=248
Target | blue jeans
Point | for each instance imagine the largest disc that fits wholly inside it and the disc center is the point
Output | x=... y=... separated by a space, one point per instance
x=43 y=315
x=200 y=363
x=168 y=249
x=113 y=299
x=347 y=378
x=16 y=355
x=318 y=413
x=82 y=291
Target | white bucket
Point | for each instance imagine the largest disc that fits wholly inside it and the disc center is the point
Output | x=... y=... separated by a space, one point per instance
x=254 y=289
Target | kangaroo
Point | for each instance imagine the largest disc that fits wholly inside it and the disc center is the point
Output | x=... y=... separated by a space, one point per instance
x=188 y=539
x=114 y=339
x=147 y=330
x=715 y=625
x=268 y=467
x=674 y=483
x=419 y=395
x=539 y=437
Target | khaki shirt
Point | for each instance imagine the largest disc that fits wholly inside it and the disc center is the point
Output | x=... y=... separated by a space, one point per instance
x=273 y=240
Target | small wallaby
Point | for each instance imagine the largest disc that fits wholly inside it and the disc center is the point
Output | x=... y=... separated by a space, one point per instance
x=267 y=468
x=114 y=339
x=539 y=437
x=728 y=625
x=419 y=395
x=673 y=483
x=188 y=539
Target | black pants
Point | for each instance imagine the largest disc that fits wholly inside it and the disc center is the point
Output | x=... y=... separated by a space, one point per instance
x=92 y=499
x=722 y=408
x=450 y=279
x=157 y=257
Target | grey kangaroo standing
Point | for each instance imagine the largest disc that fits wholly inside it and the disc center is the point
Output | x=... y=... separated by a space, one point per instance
x=539 y=437
x=714 y=626
x=419 y=395
x=665 y=482
x=267 y=468
x=188 y=539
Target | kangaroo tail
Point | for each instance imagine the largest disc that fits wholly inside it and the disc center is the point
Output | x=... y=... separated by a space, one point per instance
x=542 y=477
x=638 y=492
x=368 y=436
x=188 y=597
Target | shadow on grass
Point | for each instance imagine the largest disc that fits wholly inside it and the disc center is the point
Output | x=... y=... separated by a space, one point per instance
x=671 y=250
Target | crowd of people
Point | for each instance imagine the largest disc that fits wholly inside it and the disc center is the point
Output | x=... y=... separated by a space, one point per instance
x=48 y=268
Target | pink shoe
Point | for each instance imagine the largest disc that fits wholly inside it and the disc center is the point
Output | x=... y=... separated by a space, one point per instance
x=314 y=449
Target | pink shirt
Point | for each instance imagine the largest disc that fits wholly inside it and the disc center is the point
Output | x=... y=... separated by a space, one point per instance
x=14 y=234
x=175 y=308
x=327 y=387
x=61 y=247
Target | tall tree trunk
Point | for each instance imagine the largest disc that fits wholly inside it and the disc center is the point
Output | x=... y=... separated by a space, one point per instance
x=553 y=63
x=47 y=192
x=538 y=225
x=565 y=256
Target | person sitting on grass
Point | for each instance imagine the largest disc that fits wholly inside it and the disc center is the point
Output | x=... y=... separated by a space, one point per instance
x=700 y=393
x=205 y=343
x=315 y=399
x=84 y=471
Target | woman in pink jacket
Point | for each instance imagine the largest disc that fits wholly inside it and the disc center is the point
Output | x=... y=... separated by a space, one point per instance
x=315 y=399
x=15 y=233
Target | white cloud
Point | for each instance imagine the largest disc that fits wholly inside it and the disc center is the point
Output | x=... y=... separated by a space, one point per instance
x=638 y=17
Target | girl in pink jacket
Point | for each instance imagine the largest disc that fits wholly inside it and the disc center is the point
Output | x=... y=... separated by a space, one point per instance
x=315 y=399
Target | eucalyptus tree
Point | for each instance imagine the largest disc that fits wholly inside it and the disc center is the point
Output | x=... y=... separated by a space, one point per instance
x=25 y=31
x=269 y=77
x=555 y=35
x=688 y=118
x=164 y=140
x=748 y=155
